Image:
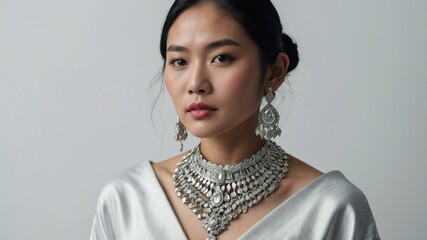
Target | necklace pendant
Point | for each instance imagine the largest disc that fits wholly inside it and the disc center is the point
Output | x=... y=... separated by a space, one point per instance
x=217 y=198
x=211 y=237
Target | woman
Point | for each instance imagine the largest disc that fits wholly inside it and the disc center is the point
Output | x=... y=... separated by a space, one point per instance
x=221 y=58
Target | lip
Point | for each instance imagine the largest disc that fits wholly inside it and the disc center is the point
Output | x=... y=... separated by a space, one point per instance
x=200 y=110
x=200 y=106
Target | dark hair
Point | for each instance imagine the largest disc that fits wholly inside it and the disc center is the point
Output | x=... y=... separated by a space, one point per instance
x=259 y=19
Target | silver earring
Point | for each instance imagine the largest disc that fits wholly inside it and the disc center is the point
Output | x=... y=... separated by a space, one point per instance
x=268 y=119
x=180 y=133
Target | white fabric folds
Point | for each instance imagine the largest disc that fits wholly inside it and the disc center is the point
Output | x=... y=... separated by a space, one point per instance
x=133 y=206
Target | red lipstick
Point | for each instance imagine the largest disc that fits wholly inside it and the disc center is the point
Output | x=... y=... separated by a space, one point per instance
x=200 y=110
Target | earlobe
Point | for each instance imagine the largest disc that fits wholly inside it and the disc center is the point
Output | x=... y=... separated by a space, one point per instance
x=277 y=72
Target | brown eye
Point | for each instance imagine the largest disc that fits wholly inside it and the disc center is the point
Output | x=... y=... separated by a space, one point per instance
x=178 y=62
x=222 y=58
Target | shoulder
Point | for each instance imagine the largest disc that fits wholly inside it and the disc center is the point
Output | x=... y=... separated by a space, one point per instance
x=332 y=199
x=118 y=195
x=130 y=179
x=165 y=168
x=300 y=173
x=343 y=200
x=332 y=190
x=328 y=186
x=335 y=187
x=139 y=177
x=346 y=205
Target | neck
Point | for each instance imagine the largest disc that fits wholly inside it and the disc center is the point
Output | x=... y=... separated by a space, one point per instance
x=234 y=146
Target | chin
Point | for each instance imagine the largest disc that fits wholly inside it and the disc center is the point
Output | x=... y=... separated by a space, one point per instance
x=205 y=133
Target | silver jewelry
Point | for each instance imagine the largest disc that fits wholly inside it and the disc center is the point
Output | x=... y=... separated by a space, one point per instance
x=218 y=194
x=268 y=119
x=180 y=133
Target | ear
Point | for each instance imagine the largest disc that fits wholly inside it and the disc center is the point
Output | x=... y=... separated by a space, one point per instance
x=276 y=73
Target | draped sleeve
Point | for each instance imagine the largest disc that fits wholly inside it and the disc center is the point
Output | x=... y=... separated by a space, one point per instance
x=102 y=227
x=328 y=208
x=133 y=206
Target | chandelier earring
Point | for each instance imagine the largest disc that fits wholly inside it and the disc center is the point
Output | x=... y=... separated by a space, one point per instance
x=180 y=133
x=268 y=119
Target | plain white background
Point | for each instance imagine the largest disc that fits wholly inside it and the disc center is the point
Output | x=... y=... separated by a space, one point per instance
x=75 y=105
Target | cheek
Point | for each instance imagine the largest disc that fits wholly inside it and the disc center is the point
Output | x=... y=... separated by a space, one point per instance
x=245 y=82
x=168 y=83
x=169 y=87
x=173 y=92
x=173 y=85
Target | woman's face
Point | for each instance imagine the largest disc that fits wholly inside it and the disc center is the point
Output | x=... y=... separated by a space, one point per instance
x=213 y=73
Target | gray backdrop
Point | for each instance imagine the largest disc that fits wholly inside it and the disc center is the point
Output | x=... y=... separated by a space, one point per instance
x=75 y=105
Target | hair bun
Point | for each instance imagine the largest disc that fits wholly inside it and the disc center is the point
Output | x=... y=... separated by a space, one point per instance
x=291 y=49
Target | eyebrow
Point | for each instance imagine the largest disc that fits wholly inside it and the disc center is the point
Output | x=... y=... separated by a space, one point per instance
x=210 y=46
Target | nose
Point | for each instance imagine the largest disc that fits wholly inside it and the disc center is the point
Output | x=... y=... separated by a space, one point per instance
x=199 y=82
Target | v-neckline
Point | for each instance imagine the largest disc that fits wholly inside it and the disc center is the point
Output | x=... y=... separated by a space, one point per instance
x=178 y=226
x=165 y=205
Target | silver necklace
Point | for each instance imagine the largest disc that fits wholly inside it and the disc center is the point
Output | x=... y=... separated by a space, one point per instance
x=218 y=194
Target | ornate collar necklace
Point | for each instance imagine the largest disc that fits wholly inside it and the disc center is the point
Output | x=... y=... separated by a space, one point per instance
x=218 y=194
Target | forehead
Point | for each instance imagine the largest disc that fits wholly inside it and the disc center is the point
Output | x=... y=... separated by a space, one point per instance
x=202 y=24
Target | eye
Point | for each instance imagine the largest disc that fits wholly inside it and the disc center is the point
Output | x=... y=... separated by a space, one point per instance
x=178 y=62
x=222 y=58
